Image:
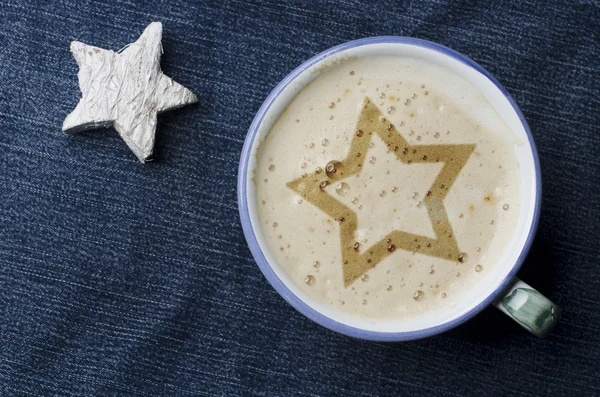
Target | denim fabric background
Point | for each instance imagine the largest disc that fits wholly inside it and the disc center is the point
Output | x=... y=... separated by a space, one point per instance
x=124 y=279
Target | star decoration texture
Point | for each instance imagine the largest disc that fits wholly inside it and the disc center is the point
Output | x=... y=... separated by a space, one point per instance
x=357 y=259
x=125 y=90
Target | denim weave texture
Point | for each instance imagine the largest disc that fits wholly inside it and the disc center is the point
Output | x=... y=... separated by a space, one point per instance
x=118 y=278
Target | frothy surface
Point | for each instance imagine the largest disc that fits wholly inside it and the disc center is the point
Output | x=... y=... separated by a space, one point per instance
x=425 y=105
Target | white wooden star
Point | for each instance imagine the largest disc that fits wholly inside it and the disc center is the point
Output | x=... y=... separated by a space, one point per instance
x=125 y=90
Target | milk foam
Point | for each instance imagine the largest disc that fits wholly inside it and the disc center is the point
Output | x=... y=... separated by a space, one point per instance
x=428 y=105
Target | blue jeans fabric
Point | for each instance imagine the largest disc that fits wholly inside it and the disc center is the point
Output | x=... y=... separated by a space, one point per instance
x=123 y=279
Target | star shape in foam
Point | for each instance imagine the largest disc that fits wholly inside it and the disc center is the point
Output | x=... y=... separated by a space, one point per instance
x=357 y=260
x=125 y=90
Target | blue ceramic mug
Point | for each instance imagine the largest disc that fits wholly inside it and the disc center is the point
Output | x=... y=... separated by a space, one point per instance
x=499 y=287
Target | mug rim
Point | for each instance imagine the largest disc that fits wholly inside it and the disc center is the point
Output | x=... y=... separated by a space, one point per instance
x=300 y=305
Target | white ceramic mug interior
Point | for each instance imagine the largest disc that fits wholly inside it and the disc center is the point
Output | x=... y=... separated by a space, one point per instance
x=493 y=282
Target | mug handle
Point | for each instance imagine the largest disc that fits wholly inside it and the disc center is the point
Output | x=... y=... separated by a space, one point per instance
x=532 y=310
